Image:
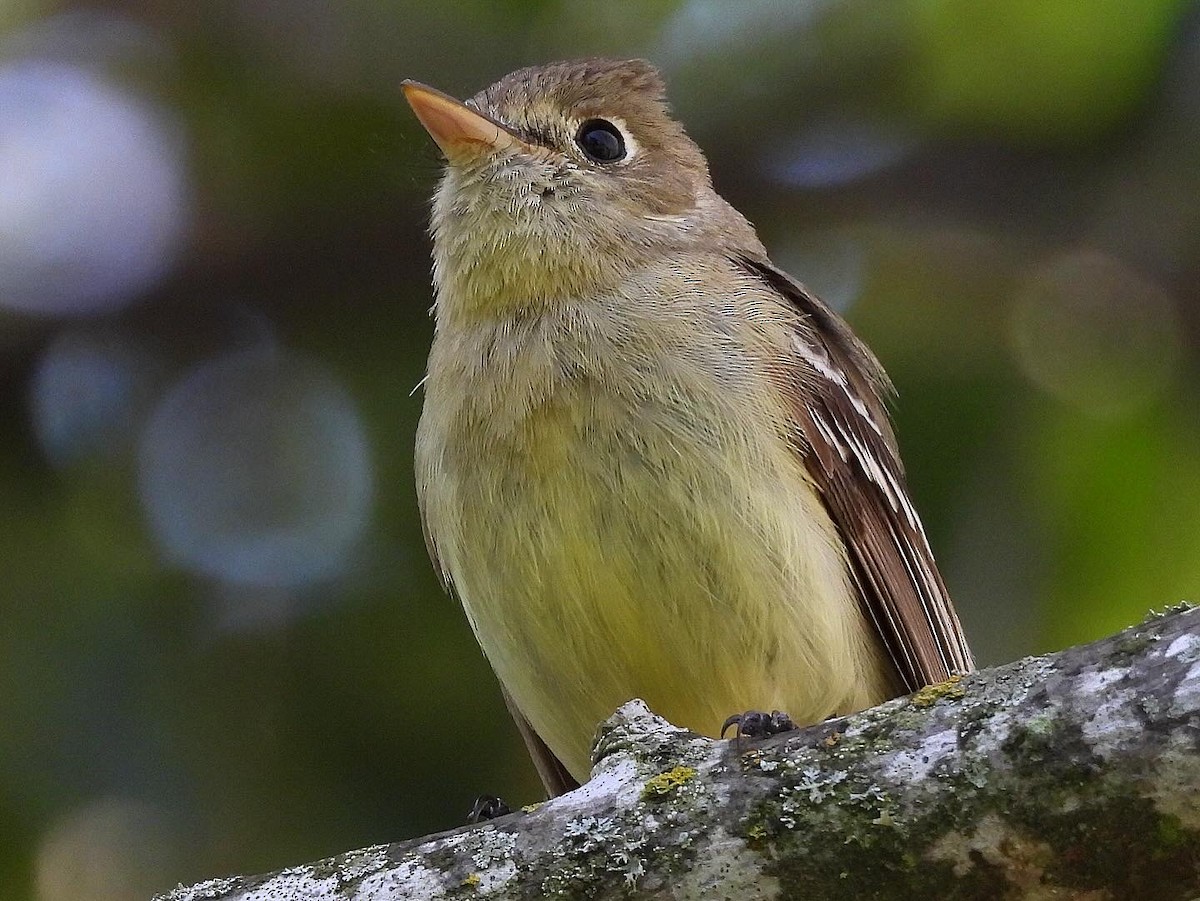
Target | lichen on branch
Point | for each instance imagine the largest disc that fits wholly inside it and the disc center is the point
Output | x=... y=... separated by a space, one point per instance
x=1070 y=776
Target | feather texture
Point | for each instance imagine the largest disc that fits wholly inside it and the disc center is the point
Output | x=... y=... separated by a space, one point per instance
x=851 y=453
x=650 y=464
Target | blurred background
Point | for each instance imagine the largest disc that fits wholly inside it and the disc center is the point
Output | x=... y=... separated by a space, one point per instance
x=222 y=647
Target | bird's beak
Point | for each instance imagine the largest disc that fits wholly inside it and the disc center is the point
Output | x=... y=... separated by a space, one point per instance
x=460 y=131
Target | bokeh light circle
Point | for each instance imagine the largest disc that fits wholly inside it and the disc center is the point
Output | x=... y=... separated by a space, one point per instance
x=108 y=850
x=87 y=391
x=834 y=151
x=255 y=470
x=832 y=265
x=1095 y=333
x=93 y=201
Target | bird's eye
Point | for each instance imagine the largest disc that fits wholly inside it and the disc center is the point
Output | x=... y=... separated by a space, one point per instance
x=601 y=141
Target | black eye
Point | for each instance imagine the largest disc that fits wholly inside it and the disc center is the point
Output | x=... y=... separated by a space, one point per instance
x=601 y=141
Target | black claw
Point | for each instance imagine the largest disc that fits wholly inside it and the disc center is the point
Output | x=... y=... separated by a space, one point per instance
x=759 y=724
x=735 y=720
x=487 y=807
x=781 y=722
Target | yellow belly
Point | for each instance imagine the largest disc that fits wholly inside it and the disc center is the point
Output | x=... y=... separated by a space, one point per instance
x=605 y=550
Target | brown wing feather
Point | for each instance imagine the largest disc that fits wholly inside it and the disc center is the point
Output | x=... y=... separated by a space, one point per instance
x=851 y=454
x=554 y=775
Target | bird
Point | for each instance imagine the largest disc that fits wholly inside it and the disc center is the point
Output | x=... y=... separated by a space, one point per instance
x=650 y=463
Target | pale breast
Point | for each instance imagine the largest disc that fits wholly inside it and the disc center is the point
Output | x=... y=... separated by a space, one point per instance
x=623 y=515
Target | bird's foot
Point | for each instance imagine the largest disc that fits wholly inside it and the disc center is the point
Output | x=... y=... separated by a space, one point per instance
x=759 y=724
x=487 y=807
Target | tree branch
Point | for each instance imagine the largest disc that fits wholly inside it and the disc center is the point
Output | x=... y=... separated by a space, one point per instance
x=1070 y=776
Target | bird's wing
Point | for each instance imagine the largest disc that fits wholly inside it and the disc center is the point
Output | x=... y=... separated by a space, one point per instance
x=554 y=775
x=851 y=456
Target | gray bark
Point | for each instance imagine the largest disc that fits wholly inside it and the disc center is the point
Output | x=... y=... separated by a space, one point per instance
x=1070 y=776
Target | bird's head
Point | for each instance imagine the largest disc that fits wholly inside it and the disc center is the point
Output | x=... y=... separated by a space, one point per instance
x=561 y=180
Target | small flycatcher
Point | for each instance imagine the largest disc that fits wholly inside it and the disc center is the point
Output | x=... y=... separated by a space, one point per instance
x=650 y=463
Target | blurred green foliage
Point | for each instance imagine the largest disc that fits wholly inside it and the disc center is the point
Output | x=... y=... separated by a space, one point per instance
x=1041 y=70
x=985 y=149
